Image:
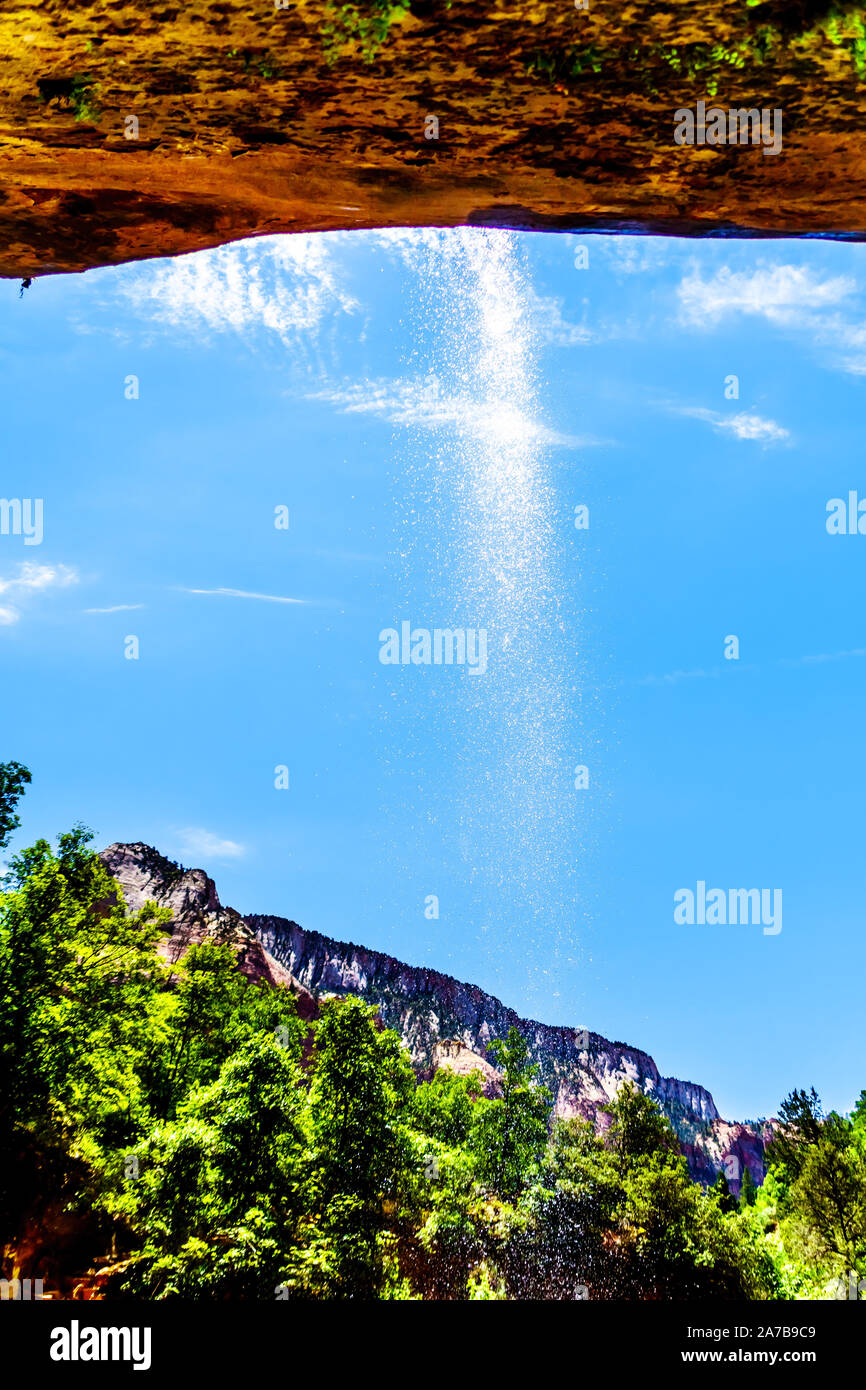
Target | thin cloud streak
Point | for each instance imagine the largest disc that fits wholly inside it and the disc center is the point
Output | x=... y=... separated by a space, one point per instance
x=745 y=425
x=674 y=677
x=116 y=608
x=423 y=404
x=244 y=593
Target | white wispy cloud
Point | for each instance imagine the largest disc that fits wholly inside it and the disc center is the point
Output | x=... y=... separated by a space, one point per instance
x=196 y=843
x=630 y=255
x=817 y=659
x=244 y=593
x=825 y=311
x=288 y=285
x=548 y=321
x=744 y=424
x=674 y=677
x=116 y=608
x=843 y=337
x=32 y=579
x=415 y=247
x=779 y=293
x=423 y=403
x=820 y=657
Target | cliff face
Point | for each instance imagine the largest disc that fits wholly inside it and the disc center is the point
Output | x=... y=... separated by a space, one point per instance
x=143 y=875
x=129 y=131
x=583 y=1071
x=443 y=1022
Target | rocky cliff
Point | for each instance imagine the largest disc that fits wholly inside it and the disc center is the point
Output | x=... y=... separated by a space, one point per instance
x=145 y=875
x=443 y=1022
x=144 y=130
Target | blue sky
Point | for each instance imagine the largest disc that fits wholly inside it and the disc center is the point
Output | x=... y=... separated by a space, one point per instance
x=431 y=407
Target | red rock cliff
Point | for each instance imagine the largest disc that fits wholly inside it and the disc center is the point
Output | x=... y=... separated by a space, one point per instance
x=144 y=130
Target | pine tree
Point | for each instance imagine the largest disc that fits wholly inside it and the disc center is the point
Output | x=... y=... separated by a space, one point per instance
x=748 y=1189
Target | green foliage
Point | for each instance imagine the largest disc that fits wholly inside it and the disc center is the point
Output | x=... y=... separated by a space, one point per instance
x=79 y=92
x=748 y=1190
x=567 y=1244
x=256 y=62
x=637 y=1127
x=188 y=1119
x=361 y=1090
x=68 y=954
x=817 y=1167
x=565 y=65
x=800 y=1129
x=83 y=95
x=366 y=23
x=445 y=1107
x=222 y=1190
x=843 y=27
x=78 y=978
x=13 y=779
x=509 y=1135
x=483 y=1285
x=710 y=64
x=722 y=1192
x=828 y=1199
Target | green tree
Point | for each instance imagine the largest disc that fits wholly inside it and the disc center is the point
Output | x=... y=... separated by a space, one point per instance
x=748 y=1189
x=224 y=1187
x=721 y=1188
x=14 y=777
x=563 y=1246
x=360 y=1097
x=445 y=1107
x=77 y=975
x=637 y=1127
x=679 y=1243
x=828 y=1199
x=509 y=1135
x=858 y=1122
x=800 y=1127
x=202 y=1023
x=78 y=979
x=819 y=1165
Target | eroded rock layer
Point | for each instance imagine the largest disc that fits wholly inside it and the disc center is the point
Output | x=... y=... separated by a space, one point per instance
x=129 y=131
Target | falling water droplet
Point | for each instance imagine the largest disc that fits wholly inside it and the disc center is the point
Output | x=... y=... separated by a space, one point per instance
x=482 y=533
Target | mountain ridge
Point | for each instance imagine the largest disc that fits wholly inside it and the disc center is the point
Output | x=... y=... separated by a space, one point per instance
x=443 y=1021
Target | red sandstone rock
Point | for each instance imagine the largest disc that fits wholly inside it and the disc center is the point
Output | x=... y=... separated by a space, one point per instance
x=548 y=117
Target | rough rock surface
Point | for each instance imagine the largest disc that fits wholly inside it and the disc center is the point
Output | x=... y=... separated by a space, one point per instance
x=549 y=116
x=443 y=1022
x=452 y=1055
x=144 y=875
x=711 y=1151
